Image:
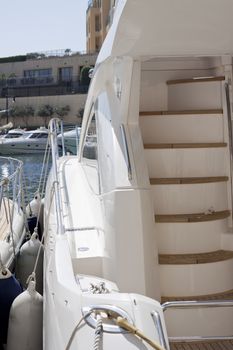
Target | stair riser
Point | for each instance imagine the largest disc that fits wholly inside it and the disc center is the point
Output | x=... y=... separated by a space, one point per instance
x=199 y=322
x=196 y=279
x=186 y=162
x=188 y=238
x=192 y=198
x=195 y=96
x=178 y=129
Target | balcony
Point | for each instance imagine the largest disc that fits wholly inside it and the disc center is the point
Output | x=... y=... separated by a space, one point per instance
x=41 y=86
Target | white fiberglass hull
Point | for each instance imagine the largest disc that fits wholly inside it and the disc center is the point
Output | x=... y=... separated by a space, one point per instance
x=22 y=147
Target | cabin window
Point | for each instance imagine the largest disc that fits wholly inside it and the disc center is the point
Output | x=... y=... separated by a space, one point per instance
x=90 y=155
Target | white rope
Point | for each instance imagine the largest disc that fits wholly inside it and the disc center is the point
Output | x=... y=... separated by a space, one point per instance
x=98 y=333
x=33 y=274
x=44 y=172
x=44 y=169
x=26 y=192
x=21 y=184
x=76 y=329
x=3 y=269
x=11 y=220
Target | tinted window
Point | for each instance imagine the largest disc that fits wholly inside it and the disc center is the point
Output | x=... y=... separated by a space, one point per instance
x=90 y=156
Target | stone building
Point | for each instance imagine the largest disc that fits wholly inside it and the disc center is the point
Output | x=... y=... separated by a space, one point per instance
x=43 y=79
x=98 y=20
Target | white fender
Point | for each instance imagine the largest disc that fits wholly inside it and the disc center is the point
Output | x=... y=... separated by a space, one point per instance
x=26 y=261
x=33 y=207
x=25 y=321
x=9 y=290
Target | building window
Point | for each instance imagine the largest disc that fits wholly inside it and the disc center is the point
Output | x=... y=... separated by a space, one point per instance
x=97 y=23
x=38 y=73
x=65 y=73
x=97 y=43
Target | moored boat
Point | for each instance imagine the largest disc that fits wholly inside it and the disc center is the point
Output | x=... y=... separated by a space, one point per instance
x=151 y=212
x=70 y=139
x=12 y=235
x=24 y=142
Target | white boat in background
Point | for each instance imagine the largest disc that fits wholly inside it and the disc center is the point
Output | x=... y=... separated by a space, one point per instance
x=12 y=217
x=70 y=139
x=12 y=134
x=143 y=230
x=19 y=141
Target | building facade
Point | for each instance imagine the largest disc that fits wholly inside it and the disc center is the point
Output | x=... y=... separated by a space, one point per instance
x=98 y=20
x=54 y=79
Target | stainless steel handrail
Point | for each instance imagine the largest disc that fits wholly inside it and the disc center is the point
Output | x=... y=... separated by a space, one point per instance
x=229 y=121
x=158 y=324
x=197 y=304
x=126 y=151
x=53 y=131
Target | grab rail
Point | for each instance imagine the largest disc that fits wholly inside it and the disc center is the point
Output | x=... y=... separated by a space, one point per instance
x=197 y=304
x=53 y=132
x=126 y=151
x=229 y=121
x=158 y=324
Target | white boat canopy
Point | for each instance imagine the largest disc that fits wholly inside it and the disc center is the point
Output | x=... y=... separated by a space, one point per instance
x=170 y=28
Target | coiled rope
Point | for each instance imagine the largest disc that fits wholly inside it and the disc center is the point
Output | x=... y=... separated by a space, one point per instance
x=98 y=333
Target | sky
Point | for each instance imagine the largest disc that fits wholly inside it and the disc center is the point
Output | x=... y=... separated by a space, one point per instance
x=42 y=25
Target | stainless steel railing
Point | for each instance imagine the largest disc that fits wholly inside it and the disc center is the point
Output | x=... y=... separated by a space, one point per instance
x=229 y=121
x=126 y=151
x=54 y=127
x=198 y=304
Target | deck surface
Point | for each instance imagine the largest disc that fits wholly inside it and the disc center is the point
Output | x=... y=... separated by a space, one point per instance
x=203 y=345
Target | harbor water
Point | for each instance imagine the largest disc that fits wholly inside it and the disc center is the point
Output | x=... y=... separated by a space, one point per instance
x=32 y=168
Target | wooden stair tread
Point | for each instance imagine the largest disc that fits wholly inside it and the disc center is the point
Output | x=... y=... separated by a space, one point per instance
x=195 y=80
x=184 y=145
x=187 y=180
x=203 y=345
x=201 y=258
x=195 y=217
x=226 y=295
x=182 y=112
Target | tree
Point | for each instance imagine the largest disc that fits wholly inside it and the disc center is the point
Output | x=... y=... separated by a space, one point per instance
x=84 y=76
x=62 y=111
x=67 y=52
x=46 y=111
x=29 y=111
x=80 y=114
x=23 y=112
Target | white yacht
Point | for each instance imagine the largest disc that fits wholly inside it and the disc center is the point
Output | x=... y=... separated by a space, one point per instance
x=13 y=134
x=143 y=230
x=24 y=142
x=70 y=139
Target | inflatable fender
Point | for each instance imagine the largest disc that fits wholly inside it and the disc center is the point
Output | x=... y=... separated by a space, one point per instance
x=25 y=321
x=26 y=261
x=33 y=207
x=10 y=288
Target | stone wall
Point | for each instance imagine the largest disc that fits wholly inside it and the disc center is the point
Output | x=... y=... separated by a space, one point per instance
x=75 y=102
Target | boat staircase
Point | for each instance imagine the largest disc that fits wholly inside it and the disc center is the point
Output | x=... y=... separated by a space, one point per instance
x=188 y=154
